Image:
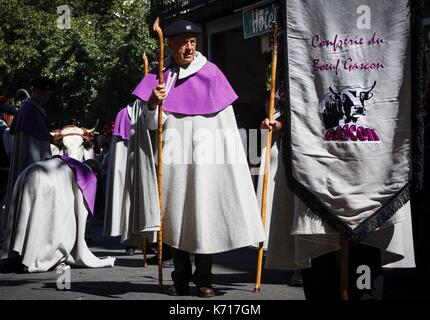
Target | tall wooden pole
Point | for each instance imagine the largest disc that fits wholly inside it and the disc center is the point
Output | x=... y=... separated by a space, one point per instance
x=145 y=240
x=145 y=64
x=268 y=147
x=159 y=32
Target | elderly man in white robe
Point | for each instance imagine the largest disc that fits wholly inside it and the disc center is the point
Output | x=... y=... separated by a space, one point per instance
x=209 y=205
x=31 y=135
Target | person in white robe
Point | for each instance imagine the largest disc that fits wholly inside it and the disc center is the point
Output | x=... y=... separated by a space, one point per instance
x=298 y=239
x=117 y=213
x=209 y=202
x=7 y=114
x=296 y=278
x=31 y=136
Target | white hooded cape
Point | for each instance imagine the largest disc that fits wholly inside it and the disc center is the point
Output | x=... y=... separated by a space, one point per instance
x=115 y=186
x=123 y=184
x=271 y=181
x=209 y=202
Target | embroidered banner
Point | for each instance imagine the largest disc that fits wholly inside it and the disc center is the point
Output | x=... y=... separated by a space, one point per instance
x=349 y=139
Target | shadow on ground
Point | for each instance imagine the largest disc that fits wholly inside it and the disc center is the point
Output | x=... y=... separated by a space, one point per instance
x=111 y=289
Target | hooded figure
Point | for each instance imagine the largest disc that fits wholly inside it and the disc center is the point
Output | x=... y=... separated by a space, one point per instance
x=31 y=135
x=209 y=203
x=7 y=114
x=117 y=208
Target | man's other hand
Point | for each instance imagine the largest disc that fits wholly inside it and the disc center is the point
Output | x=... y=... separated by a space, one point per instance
x=274 y=125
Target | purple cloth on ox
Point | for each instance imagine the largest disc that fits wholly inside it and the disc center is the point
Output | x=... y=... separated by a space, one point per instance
x=86 y=180
x=31 y=121
x=204 y=92
x=122 y=125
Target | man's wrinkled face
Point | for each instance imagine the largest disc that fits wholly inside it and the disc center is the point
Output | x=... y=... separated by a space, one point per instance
x=183 y=48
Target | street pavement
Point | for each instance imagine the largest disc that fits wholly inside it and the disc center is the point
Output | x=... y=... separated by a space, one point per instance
x=234 y=277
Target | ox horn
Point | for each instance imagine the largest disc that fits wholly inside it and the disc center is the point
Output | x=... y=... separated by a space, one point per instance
x=374 y=84
x=94 y=128
x=56 y=134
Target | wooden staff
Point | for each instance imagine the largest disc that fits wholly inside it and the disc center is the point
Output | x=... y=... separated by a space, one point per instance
x=145 y=64
x=145 y=240
x=268 y=147
x=159 y=32
x=344 y=268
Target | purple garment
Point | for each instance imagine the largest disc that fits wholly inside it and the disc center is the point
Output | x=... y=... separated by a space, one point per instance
x=122 y=125
x=31 y=121
x=204 y=92
x=86 y=180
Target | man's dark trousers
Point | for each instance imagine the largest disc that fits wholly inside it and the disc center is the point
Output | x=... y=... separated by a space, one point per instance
x=182 y=275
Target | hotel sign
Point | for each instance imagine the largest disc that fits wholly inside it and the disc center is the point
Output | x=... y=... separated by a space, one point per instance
x=258 y=21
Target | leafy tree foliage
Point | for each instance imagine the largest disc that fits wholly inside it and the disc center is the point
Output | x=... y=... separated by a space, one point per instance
x=96 y=63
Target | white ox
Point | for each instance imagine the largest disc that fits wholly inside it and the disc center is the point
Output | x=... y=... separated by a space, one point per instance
x=74 y=142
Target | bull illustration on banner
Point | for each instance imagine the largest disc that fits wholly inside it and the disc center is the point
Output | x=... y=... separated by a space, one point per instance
x=343 y=113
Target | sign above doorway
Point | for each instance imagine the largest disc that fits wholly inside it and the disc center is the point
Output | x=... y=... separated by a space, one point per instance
x=258 y=20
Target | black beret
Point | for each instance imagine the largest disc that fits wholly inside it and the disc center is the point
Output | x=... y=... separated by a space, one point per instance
x=43 y=83
x=4 y=107
x=181 y=27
